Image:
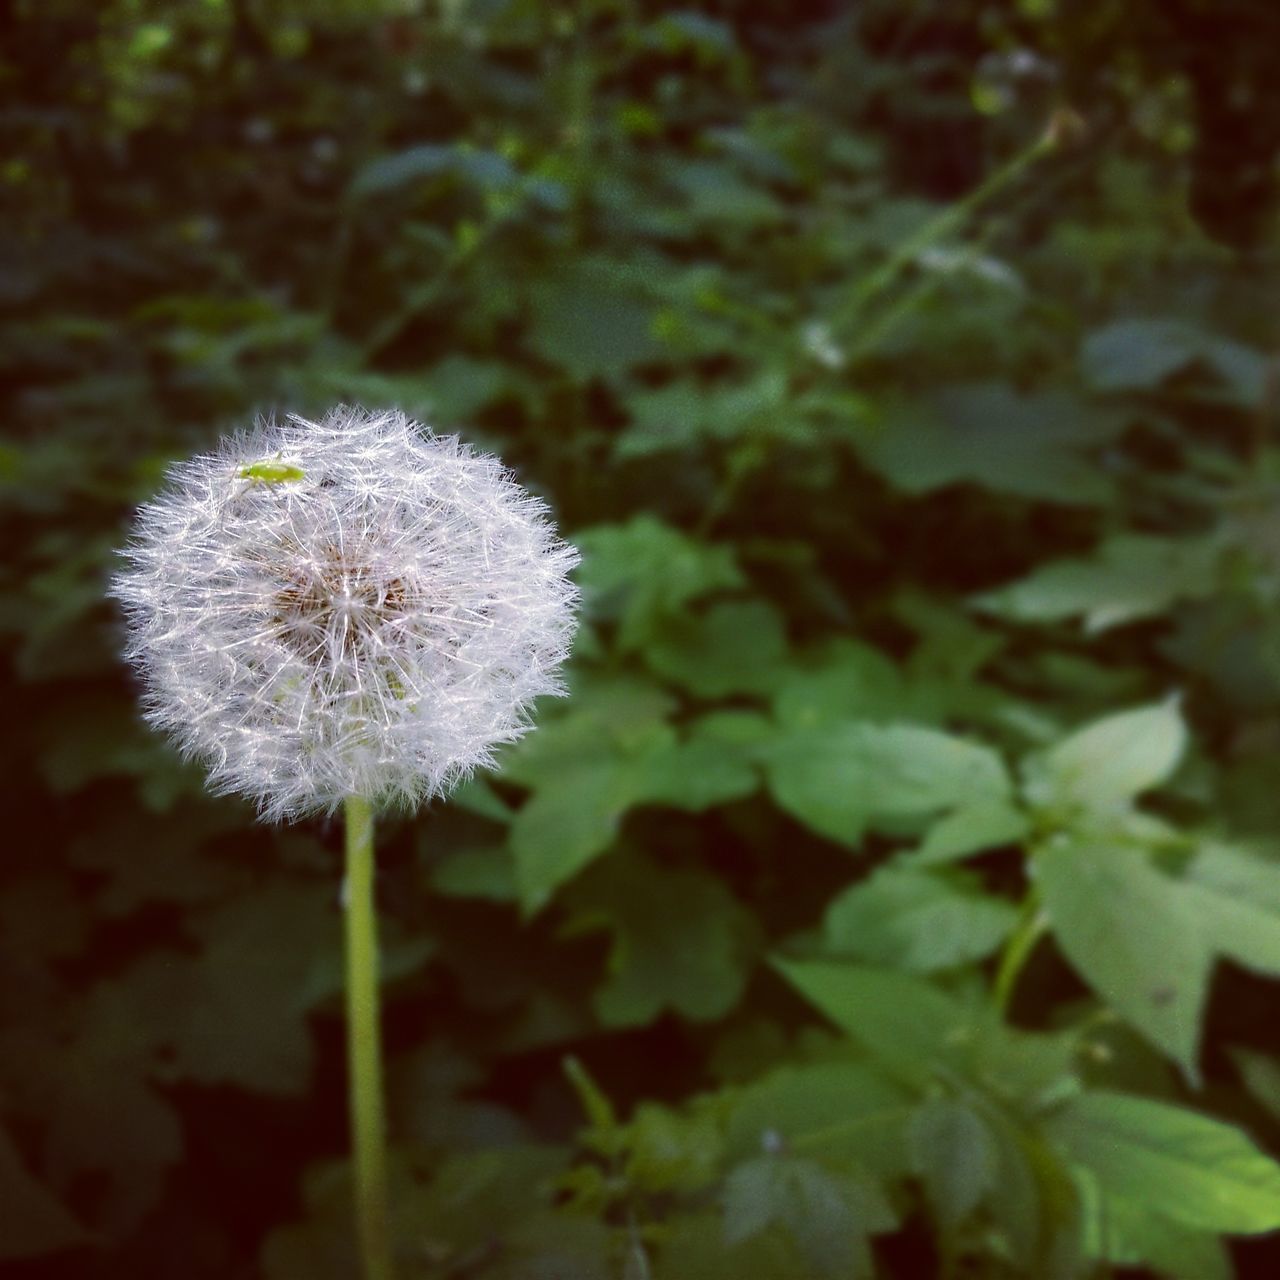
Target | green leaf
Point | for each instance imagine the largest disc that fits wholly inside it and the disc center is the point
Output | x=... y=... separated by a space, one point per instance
x=268 y=958
x=841 y=1110
x=695 y=775
x=610 y=754
x=1130 y=577
x=1134 y=935
x=592 y=319
x=32 y=1220
x=916 y=921
x=1237 y=898
x=970 y=830
x=485 y=872
x=562 y=828
x=693 y=1245
x=954 y=1155
x=679 y=941
x=426 y=161
x=1142 y=354
x=829 y=1217
x=1103 y=766
x=1129 y=1235
x=849 y=681
x=671 y=1150
x=840 y=779
x=734 y=647
x=989 y=435
x=643 y=571
x=1171 y=1161
x=905 y=1022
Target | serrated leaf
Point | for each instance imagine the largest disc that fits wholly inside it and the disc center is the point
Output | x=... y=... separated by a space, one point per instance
x=1170 y=1160
x=1134 y=935
x=916 y=921
x=1105 y=765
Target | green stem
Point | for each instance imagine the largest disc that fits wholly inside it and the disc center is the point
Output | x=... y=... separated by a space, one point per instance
x=948 y=221
x=1017 y=951
x=364 y=1049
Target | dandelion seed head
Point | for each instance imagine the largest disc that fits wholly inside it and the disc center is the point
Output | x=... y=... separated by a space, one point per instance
x=350 y=607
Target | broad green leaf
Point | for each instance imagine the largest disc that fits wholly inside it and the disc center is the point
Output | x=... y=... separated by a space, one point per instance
x=1141 y=354
x=842 y=778
x=591 y=770
x=1127 y=1234
x=487 y=871
x=735 y=647
x=849 y=681
x=988 y=435
x=1237 y=898
x=1103 y=766
x=679 y=940
x=695 y=775
x=826 y=1109
x=605 y=716
x=670 y=1150
x=563 y=827
x=592 y=318
x=33 y=1221
x=917 y=921
x=1171 y=1161
x=970 y=830
x=683 y=415
x=693 y=1245
x=641 y=572
x=426 y=161
x=1130 y=577
x=829 y=1217
x=903 y=1021
x=107 y=1126
x=268 y=958
x=1134 y=935
x=954 y=1155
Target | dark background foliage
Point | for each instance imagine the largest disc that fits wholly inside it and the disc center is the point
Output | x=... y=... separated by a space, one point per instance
x=925 y=477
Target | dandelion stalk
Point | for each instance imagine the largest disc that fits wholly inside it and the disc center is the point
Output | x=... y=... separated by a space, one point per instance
x=364 y=1047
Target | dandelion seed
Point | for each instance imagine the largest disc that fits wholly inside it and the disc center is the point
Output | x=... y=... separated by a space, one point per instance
x=350 y=607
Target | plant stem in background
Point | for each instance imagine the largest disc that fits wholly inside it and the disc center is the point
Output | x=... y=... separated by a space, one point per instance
x=944 y=224
x=364 y=1049
x=1022 y=942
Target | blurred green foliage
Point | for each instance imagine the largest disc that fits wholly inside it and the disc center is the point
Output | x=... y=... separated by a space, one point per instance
x=861 y=911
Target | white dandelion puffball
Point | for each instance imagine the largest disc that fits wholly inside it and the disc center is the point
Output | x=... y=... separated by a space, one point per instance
x=351 y=607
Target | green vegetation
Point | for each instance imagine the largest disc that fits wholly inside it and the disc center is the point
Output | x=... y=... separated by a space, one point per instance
x=898 y=892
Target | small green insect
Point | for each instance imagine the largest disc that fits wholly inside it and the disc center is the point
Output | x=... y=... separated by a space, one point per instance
x=269 y=471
